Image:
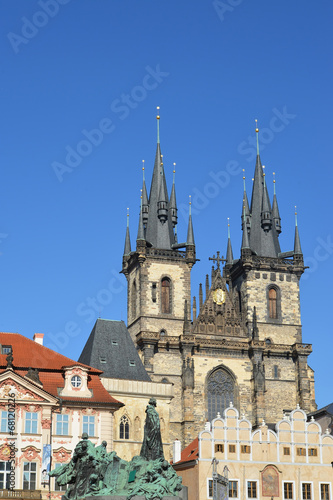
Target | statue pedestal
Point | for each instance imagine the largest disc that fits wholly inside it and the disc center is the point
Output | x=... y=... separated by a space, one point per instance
x=182 y=496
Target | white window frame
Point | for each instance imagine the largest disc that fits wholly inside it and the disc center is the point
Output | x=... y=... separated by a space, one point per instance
x=61 y=424
x=4 y=419
x=32 y=420
x=307 y=482
x=6 y=472
x=247 y=489
x=89 y=424
x=293 y=483
x=329 y=489
x=235 y=481
x=30 y=472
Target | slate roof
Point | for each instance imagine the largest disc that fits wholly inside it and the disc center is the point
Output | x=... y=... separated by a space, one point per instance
x=50 y=366
x=110 y=348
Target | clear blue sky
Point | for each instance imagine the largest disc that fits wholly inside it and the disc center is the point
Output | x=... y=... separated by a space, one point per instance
x=70 y=67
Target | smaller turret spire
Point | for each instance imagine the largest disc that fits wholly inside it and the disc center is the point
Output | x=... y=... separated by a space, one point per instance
x=190 y=234
x=275 y=210
x=141 y=232
x=246 y=205
x=162 y=203
x=127 y=248
x=297 y=244
x=245 y=239
x=230 y=257
x=173 y=203
x=158 y=124
x=266 y=216
x=145 y=203
x=255 y=329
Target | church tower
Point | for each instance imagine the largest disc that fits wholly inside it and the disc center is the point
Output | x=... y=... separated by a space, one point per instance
x=242 y=342
x=158 y=271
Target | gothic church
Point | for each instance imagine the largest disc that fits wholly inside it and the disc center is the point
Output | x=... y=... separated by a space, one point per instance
x=244 y=342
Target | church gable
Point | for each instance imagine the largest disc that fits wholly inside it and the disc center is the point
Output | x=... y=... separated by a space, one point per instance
x=217 y=315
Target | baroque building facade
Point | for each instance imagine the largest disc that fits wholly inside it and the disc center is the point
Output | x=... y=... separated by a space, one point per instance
x=241 y=341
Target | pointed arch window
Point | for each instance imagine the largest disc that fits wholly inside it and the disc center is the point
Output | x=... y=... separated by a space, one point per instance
x=166 y=295
x=272 y=300
x=221 y=391
x=124 y=427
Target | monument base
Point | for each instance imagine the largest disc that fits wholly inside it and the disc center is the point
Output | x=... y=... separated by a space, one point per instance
x=182 y=496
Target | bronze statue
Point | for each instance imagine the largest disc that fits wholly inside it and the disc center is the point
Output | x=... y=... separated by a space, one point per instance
x=152 y=447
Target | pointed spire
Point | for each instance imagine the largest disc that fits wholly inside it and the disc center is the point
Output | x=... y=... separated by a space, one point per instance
x=245 y=239
x=275 y=210
x=246 y=205
x=173 y=203
x=257 y=134
x=230 y=256
x=194 y=307
x=141 y=232
x=145 y=204
x=127 y=248
x=297 y=243
x=190 y=233
x=207 y=286
x=200 y=297
x=162 y=204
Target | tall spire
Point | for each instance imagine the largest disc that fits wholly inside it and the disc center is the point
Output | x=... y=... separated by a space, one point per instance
x=263 y=236
x=246 y=205
x=275 y=210
x=145 y=204
x=230 y=256
x=127 y=248
x=173 y=203
x=297 y=243
x=190 y=234
x=245 y=238
x=159 y=229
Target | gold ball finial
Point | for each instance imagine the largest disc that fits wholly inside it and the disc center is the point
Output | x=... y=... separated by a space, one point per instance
x=295 y=210
x=143 y=164
x=273 y=177
x=158 y=116
x=190 y=197
x=228 y=221
x=257 y=130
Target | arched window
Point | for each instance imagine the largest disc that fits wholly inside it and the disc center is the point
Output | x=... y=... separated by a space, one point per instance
x=133 y=300
x=221 y=391
x=124 y=427
x=166 y=295
x=272 y=303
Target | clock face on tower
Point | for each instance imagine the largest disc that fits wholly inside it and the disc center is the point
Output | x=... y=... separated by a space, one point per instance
x=219 y=296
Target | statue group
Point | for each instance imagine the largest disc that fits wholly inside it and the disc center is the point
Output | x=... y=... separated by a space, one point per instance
x=94 y=472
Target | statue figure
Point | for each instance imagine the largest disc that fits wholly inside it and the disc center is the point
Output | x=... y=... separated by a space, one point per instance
x=10 y=359
x=152 y=447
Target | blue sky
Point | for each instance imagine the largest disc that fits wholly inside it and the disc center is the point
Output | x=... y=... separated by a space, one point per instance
x=94 y=71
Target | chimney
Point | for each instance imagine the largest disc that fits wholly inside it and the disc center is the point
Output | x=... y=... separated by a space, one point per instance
x=176 y=451
x=38 y=337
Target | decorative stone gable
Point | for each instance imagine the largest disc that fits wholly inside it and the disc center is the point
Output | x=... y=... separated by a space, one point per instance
x=218 y=316
x=76 y=382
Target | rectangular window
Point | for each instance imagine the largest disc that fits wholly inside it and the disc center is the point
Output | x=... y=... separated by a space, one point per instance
x=306 y=491
x=29 y=475
x=251 y=489
x=233 y=489
x=232 y=448
x=219 y=447
x=210 y=488
x=89 y=425
x=275 y=371
x=288 y=491
x=324 y=491
x=4 y=421
x=312 y=452
x=4 y=475
x=286 y=450
x=301 y=452
x=31 y=420
x=245 y=448
x=62 y=425
x=56 y=485
x=6 y=349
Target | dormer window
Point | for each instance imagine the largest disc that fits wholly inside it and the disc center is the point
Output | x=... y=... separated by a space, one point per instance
x=76 y=381
x=6 y=349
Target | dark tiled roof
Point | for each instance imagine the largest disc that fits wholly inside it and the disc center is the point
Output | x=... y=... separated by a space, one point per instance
x=111 y=349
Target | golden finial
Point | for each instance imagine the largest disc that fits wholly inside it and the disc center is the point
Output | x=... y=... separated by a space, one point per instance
x=257 y=130
x=257 y=134
x=174 y=168
x=190 y=197
x=158 y=125
x=127 y=212
x=274 y=182
x=143 y=164
x=228 y=227
x=158 y=112
x=295 y=216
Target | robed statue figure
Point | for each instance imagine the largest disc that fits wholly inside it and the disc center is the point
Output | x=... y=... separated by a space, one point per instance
x=152 y=447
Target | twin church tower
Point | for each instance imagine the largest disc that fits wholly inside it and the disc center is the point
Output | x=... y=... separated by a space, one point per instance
x=241 y=341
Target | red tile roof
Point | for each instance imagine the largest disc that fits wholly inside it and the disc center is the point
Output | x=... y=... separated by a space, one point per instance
x=191 y=452
x=50 y=364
